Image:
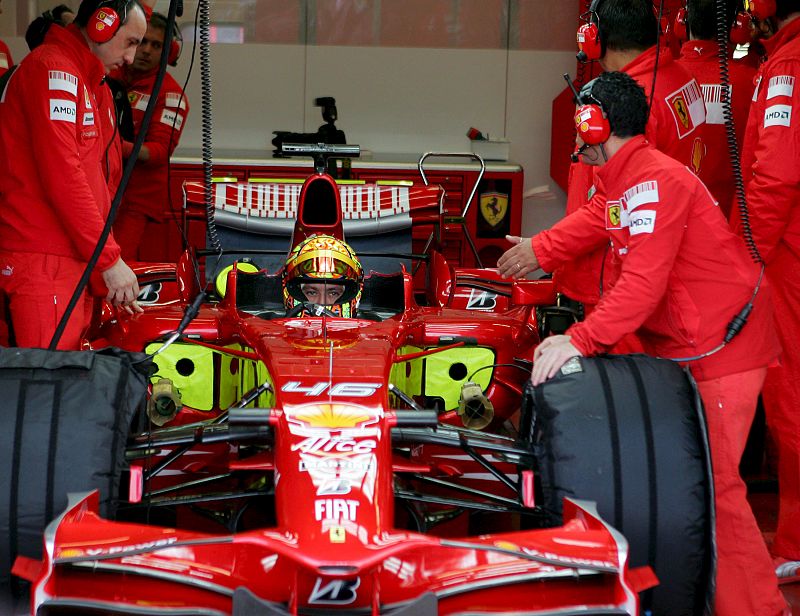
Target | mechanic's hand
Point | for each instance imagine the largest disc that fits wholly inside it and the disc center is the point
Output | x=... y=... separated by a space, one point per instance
x=518 y=260
x=550 y=355
x=123 y=288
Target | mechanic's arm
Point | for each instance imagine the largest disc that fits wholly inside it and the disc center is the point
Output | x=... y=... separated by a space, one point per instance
x=63 y=180
x=640 y=287
x=572 y=236
x=773 y=189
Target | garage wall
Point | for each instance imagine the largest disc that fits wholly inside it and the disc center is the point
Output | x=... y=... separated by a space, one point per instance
x=390 y=99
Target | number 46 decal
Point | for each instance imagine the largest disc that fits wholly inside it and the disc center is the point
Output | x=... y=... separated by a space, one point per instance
x=350 y=390
x=335 y=592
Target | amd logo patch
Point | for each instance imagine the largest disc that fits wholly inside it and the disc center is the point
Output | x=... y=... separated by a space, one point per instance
x=63 y=110
x=778 y=115
x=642 y=221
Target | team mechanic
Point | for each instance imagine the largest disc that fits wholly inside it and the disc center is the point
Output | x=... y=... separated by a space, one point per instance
x=624 y=39
x=147 y=195
x=683 y=275
x=53 y=186
x=771 y=164
x=700 y=57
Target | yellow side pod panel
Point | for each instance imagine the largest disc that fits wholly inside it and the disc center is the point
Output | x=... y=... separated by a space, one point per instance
x=207 y=379
x=442 y=374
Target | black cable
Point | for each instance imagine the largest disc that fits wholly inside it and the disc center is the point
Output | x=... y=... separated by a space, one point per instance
x=740 y=319
x=730 y=131
x=126 y=175
x=208 y=122
x=523 y=368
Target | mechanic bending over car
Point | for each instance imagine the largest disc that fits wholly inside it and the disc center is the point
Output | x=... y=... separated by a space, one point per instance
x=55 y=146
x=322 y=271
x=679 y=275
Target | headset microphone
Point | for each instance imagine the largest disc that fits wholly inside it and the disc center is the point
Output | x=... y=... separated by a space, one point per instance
x=575 y=156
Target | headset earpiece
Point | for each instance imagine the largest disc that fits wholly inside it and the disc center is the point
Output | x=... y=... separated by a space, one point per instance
x=175 y=46
x=760 y=9
x=590 y=42
x=742 y=29
x=592 y=125
x=104 y=23
x=679 y=27
x=589 y=45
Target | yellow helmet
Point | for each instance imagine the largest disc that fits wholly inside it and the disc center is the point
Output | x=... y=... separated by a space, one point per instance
x=323 y=259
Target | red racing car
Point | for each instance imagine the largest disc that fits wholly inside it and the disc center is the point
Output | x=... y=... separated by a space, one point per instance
x=290 y=459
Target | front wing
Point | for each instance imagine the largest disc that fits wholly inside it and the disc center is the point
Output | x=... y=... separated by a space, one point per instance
x=93 y=566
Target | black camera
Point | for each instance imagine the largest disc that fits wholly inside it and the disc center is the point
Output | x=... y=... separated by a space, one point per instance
x=327 y=133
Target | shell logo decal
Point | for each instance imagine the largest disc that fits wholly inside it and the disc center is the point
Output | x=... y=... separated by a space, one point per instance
x=332 y=416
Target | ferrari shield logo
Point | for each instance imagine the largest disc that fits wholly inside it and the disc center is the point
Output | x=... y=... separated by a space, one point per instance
x=681 y=111
x=613 y=215
x=687 y=108
x=494 y=207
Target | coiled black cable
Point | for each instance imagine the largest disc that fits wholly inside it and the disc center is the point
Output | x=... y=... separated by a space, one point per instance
x=740 y=319
x=730 y=130
x=207 y=122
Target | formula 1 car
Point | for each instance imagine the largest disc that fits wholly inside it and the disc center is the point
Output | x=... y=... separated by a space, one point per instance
x=394 y=462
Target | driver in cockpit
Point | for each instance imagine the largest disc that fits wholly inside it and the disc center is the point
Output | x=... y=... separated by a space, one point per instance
x=322 y=271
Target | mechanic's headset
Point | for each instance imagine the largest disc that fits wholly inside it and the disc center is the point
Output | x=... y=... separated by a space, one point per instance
x=107 y=19
x=679 y=25
x=742 y=31
x=175 y=46
x=590 y=43
x=591 y=121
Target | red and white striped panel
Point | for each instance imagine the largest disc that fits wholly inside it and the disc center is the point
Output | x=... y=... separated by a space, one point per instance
x=279 y=200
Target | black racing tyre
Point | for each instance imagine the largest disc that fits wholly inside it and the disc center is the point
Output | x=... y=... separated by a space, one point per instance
x=628 y=432
x=66 y=418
